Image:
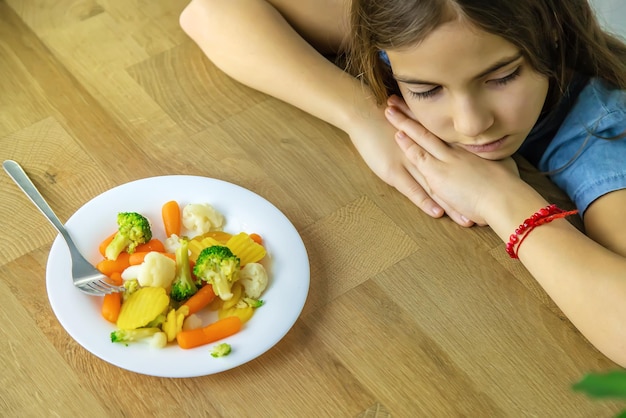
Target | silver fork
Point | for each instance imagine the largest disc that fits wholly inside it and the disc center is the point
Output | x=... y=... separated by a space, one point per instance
x=85 y=276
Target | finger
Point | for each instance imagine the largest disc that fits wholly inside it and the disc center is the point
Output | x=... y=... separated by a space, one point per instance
x=417 y=133
x=409 y=187
x=421 y=182
x=456 y=216
x=413 y=151
x=400 y=103
x=459 y=218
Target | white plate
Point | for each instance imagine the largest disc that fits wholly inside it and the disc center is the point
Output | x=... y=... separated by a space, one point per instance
x=287 y=263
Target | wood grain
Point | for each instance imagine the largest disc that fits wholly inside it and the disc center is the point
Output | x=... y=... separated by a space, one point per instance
x=406 y=315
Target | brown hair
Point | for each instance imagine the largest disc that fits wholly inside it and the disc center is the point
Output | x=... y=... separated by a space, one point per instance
x=556 y=37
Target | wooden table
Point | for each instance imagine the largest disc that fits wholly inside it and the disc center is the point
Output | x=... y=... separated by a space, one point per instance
x=406 y=315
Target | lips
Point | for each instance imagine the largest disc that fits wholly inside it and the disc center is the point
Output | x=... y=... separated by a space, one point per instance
x=487 y=147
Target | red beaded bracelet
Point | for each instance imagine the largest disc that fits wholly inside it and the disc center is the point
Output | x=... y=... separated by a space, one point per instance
x=542 y=216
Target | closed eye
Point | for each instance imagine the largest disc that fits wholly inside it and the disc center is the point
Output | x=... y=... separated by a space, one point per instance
x=422 y=95
x=507 y=79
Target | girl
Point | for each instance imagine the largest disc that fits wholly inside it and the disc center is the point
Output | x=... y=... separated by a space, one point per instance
x=481 y=80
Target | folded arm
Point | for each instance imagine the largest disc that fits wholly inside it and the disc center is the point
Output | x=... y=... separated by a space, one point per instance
x=276 y=47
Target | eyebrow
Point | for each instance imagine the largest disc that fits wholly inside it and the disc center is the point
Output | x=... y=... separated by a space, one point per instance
x=496 y=66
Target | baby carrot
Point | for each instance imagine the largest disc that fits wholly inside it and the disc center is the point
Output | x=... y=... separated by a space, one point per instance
x=154 y=244
x=118 y=265
x=200 y=299
x=170 y=212
x=104 y=244
x=116 y=278
x=216 y=331
x=138 y=256
x=256 y=238
x=111 y=305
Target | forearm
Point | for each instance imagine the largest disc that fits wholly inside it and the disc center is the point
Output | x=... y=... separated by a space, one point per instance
x=587 y=281
x=251 y=41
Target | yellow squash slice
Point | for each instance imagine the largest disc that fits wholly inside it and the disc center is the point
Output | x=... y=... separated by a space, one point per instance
x=245 y=248
x=142 y=306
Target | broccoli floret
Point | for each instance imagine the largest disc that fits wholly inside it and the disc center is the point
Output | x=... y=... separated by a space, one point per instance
x=221 y=350
x=183 y=286
x=130 y=335
x=156 y=322
x=218 y=266
x=130 y=287
x=133 y=229
x=253 y=303
x=249 y=302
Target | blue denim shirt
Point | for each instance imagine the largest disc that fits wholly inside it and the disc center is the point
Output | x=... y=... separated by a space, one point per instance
x=585 y=165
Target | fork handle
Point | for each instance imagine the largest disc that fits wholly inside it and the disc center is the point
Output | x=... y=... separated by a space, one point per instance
x=16 y=172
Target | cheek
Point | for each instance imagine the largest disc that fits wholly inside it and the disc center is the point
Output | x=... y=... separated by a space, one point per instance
x=521 y=109
x=431 y=117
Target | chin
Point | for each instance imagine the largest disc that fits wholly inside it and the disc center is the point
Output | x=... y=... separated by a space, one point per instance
x=494 y=156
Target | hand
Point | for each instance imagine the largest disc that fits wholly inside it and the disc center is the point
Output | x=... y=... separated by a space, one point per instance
x=452 y=175
x=372 y=135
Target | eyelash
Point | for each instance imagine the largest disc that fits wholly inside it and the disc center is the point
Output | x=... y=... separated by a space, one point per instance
x=505 y=80
x=500 y=82
x=426 y=94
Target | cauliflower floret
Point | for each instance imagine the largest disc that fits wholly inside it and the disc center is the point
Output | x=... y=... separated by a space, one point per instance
x=157 y=270
x=131 y=272
x=253 y=277
x=202 y=218
x=158 y=340
x=171 y=243
x=193 y=321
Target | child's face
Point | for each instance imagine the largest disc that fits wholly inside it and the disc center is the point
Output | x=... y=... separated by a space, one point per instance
x=470 y=88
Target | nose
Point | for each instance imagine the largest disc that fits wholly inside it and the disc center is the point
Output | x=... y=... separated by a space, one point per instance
x=472 y=117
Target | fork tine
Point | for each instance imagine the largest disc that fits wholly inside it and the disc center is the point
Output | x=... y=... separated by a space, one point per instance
x=85 y=288
x=95 y=282
x=108 y=287
x=97 y=287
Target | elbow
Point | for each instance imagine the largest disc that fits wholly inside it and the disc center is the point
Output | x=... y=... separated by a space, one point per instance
x=189 y=19
x=204 y=22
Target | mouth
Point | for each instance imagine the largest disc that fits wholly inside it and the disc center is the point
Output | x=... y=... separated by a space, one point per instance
x=488 y=147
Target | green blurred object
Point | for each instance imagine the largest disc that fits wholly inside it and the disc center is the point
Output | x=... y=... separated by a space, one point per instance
x=603 y=385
